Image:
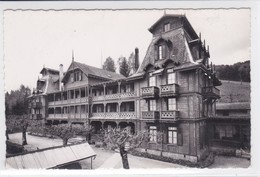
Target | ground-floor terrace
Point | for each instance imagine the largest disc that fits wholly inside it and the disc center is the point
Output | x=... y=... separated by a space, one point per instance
x=226 y=135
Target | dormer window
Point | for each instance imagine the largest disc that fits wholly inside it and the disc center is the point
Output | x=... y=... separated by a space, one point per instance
x=166 y=27
x=77 y=76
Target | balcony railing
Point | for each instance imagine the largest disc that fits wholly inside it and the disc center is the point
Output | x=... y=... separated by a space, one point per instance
x=150 y=92
x=122 y=115
x=98 y=98
x=211 y=92
x=169 y=90
x=36 y=105
x=69 y=101
x=170 y=115
x=114 y=96
x=98 y=114
x=150 y=115
x=128 y=94
x=127 y=114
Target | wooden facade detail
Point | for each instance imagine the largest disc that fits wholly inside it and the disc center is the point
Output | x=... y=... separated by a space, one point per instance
x=150 y=92
x=169 y=90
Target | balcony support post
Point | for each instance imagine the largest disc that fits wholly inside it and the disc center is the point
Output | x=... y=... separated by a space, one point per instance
x=119 y=88
x=104 y=86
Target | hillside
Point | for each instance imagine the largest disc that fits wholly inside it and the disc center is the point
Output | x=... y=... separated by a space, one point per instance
x=233 y=91
x=236 y=72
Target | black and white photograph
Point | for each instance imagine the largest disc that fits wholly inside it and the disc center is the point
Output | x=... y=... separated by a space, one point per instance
x=118 y=89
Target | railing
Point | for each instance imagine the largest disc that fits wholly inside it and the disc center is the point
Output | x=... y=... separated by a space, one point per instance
x=114 y=96
x=98 y=98
x=98 y=114
x=169 y=115
x=112 y=114
x=150 y=91
x=211 y=91
x=70 y=101
x=127 y=114
x=170 y=89
x=128 y=94
x=36 y=104
x=51 y=116
x=152 y=115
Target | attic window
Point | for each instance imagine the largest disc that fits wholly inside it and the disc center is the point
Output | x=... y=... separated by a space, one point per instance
x=166 y=27
x=162 y=52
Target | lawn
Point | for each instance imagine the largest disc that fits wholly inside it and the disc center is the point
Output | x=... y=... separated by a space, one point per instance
x=234 y=91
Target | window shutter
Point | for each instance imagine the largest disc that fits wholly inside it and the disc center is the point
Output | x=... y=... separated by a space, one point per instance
x=179 y=137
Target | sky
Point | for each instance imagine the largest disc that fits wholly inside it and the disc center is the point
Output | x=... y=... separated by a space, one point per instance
x=33 y=39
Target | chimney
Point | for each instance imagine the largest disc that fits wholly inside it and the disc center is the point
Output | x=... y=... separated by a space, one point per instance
x=136 y=59
x=61 y=76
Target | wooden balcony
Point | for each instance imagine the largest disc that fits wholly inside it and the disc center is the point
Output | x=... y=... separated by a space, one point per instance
x=115 y=96
x=128 y=95
x=169 y=90
x=150 y=92
x=211 y=92
x=121 y=115
x=69 y=101
x=36 y=105
x=112 y=96
x=169 y=115
x=150 y=115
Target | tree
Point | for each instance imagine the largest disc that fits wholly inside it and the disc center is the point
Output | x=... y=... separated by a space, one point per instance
x=109 y=65
x=124 y=68
x=133 y=61
x=17 y=122
x=63 y=131
x=16 y=101
x=124 y=141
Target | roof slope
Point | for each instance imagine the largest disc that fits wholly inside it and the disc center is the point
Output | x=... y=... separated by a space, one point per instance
x=180 y=50
x=94 y=71
x=237 y=105
x=50 y=157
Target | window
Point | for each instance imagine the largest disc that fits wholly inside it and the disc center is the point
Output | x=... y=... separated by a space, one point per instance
x=171 y=78
x=171 y=106
x=166 y=27
x=77 y=76
x=152 y=81
x=172 y=135
x=161 y=54
x=153 y=133
x=152 y=105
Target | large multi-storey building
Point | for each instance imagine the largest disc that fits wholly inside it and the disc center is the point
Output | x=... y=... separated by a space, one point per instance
x=172 y=92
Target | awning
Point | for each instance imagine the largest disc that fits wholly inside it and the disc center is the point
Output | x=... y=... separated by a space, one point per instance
x=51 y=157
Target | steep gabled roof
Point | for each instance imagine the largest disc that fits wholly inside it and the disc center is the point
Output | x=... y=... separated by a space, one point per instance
x=94 y=71
x=49 y=69
x=164 y=17
x=186 y=24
